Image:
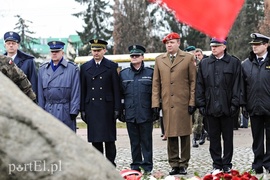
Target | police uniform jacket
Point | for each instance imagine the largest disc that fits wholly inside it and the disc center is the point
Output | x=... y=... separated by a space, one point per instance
x=8 y=68
x=26 y=63
x=59 y=91
x=174 y=84
x=218 y=85
x=100 y=97
x=136 y=88
x=256 y=80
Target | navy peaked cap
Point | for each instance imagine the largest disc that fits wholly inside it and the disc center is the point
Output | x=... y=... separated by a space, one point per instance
x=56 y=45
x=258 y=38
x=12 y=36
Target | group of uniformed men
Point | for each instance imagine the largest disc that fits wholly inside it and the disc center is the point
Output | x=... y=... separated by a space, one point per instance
x=220 y=87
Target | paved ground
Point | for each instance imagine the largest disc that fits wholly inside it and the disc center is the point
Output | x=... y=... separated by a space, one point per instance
x=200 y=158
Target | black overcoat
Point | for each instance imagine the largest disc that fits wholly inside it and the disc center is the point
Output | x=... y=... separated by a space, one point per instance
x=100 y=97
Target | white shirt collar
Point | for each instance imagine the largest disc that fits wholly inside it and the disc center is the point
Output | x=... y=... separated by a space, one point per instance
x=264 y=56
x=13 y=57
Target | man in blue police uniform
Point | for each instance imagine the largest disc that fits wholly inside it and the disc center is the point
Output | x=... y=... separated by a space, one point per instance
x=256 y=96
x=100 y=99
x=136 y=88
x=59 y=86
x=24 y=61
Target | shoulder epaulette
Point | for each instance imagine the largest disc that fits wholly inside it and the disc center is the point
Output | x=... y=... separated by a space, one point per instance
x=71 y=62
x=126 y=68
x=43 y=64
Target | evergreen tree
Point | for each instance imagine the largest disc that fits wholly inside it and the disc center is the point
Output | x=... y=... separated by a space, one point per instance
x=26 y=40
x=245 y=24
x=98 y=23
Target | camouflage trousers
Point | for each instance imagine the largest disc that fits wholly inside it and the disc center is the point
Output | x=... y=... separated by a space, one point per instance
x=197 y=122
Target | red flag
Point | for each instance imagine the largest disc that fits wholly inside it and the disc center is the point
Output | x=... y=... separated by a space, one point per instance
x=212 y=17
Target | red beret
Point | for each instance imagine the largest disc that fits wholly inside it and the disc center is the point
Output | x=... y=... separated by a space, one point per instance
x=170 y=36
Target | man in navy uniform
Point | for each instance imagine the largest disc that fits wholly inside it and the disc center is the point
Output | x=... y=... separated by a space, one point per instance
x=256 y=95
x=136 y=83
x=24 y=61
x=59 y=86
x=100 y=99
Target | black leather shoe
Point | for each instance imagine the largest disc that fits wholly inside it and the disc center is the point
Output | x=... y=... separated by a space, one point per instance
x=174 y=171
x=227 y=170
x=202 y=138
x=258 y=171
x=194 y=143
x=182 y=170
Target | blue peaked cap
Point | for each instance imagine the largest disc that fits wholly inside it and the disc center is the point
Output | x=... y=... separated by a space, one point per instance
x=56 y=45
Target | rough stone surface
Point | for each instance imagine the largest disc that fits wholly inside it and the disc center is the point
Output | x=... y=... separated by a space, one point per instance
x=35 y=145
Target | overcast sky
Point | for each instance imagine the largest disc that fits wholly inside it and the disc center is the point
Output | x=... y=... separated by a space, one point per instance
x=51 y=18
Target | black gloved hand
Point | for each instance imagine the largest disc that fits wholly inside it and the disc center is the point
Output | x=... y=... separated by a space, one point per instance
x=155 y=113
x=202 y=110
x=73 y=117
x=244 y=112
x=122 y=116
x=83 y=116
x=234 y=110
x=191 y=109
x=116 y=115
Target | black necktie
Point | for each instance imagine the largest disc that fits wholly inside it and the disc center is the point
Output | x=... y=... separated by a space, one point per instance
x=260 y=60
x=97 y=65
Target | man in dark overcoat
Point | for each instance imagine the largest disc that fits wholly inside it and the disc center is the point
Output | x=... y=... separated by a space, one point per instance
x=100 y=99
x=218 y=100
x=24 y=61
x=256 y=96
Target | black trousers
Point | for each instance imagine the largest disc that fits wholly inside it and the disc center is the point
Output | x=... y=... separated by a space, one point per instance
x=110 y=150
x=141 y=143
x=260 y=126
x=221 y=126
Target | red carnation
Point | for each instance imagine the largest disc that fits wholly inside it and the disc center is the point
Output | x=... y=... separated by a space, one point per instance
x=208 y=177
x=235 y=173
